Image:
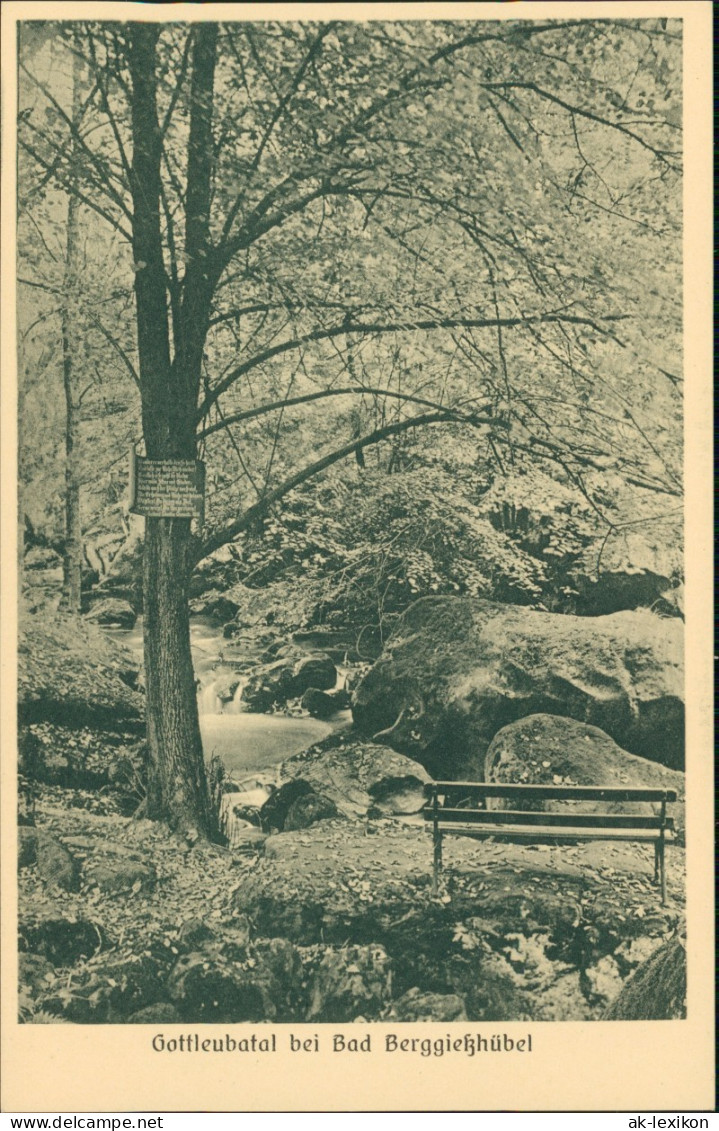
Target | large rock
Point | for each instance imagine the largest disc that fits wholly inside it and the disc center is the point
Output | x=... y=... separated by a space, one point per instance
x=214 y=604
x=314 y=671
x=332 y=883
x=456 y=670
x=216 y=988
x=361 y=777
x=113 y=613
x=350 y=982
x=637 y=569
x=56 y=867
x=108 y=991
x=324 y=704
x=547 y=749
x=268 y=685
x=231 y=983
x=62 y=941
x=284 y=606
x=273 y=813
x=286 y=678
x=295 y=805
x=307 y=810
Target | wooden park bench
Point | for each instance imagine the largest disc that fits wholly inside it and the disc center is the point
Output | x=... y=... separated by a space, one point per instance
x=460 y=807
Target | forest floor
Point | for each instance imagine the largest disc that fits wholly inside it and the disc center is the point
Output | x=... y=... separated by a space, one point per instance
x=122 y=921
x=336 y=922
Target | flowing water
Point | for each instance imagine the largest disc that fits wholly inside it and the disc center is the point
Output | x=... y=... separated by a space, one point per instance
x=247 y=743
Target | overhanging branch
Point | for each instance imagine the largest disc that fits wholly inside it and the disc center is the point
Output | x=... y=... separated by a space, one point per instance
x=260 y=508
x=572 y=108
x=274 y=406
x=386 y=328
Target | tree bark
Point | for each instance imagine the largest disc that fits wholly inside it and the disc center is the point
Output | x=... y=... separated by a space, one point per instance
x=178 y=789
x=178 y=786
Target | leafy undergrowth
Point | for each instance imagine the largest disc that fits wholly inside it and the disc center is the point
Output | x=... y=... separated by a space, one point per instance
x=330 y=923
x=189 y=881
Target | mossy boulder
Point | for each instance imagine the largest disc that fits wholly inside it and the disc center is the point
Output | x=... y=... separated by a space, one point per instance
x=360 y=778
x=657 y=990
x=113 y=612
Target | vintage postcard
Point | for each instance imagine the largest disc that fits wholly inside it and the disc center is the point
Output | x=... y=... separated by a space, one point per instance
x=356 y=656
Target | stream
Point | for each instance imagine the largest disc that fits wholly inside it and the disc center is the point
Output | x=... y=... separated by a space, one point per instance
x=247 y=743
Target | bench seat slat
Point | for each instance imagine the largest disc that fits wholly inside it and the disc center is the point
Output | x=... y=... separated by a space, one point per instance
x=517 y=832
x=524 y=817
x=556 y=792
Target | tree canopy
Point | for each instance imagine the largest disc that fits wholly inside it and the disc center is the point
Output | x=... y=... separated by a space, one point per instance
x=339 y=234
x=448 y=209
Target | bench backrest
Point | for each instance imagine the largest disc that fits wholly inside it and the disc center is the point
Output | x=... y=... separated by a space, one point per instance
x=456 y=803
x=474 y=790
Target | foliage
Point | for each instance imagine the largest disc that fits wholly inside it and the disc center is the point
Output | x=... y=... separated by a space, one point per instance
x=456 y=223
x=368 y=543
x=366 y=175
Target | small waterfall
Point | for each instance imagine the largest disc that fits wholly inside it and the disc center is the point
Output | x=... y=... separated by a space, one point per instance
x=236 y=705
x=243 y=740
x=239 y=812
x=212 y=700
x=208 y=701
x=341 y=681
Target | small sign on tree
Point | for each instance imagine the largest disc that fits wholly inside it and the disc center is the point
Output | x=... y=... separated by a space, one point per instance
x=168 y=488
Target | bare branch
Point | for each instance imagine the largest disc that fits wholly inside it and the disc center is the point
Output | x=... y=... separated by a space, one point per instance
x=122 y=354
x=273 y=406
x=79 y=140
x=573 y=109
x=279 y=111
x=116 y=224
x=182 y=71
x=392 y=327
x=109 y=115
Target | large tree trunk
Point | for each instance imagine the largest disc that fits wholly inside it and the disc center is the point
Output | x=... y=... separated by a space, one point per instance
x=178 y=789
x=178 y=786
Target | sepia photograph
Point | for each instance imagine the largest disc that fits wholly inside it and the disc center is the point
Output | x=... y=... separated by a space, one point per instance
x=350 y=498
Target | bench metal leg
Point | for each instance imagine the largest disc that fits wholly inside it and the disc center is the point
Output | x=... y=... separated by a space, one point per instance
x=660 y=873
x=437 y=861
x=663 y=873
